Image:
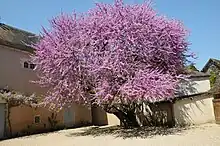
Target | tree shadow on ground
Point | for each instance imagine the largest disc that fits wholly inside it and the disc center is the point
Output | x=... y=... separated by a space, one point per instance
x=117 y=131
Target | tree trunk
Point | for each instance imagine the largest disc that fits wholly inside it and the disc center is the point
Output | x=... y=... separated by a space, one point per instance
x=9 y=122
x=128 y=119
x=136 y=116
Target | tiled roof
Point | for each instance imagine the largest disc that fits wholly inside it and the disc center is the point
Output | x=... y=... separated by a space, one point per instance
x=194 y=74
x=216 y=62
x=17 y=38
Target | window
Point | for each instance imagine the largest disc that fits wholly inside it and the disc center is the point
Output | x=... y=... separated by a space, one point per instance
x=26 y=64
x=37 y=119
x=32 y=66
x=29 y=65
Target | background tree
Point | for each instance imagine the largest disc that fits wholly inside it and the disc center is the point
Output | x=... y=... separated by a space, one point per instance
x=212 y=78
x=123 y=54
x=191 y=67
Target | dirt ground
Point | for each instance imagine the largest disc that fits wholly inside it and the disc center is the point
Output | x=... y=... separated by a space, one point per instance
x=203 y=135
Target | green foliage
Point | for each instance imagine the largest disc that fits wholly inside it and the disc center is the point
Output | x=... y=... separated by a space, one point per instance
x=192 y=67
x=212 y=78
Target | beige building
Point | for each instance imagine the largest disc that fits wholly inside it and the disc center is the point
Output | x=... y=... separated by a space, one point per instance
x=25 y=119
x=16 y=73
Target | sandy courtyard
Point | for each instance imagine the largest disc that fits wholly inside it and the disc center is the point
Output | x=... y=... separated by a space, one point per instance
x=204 y=135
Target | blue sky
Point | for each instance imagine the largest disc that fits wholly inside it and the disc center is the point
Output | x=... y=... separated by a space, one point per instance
x=201 y=17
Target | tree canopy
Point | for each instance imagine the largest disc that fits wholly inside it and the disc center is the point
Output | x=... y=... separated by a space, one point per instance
x=122 y=53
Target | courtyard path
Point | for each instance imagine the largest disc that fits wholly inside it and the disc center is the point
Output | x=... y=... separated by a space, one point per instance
x=203 y=135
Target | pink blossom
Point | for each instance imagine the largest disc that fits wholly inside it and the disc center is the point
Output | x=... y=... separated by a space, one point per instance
x=116 y=50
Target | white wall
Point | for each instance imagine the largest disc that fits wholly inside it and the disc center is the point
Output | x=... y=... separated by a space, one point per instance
x=195 y=109
x=112 y=119
x=198 y=110
x=194 y=86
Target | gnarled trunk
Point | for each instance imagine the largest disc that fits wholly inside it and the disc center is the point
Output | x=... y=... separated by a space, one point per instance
x=127 y=119
x=136 y=115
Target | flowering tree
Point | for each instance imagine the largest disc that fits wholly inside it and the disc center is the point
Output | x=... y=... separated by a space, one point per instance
x=117 y=56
